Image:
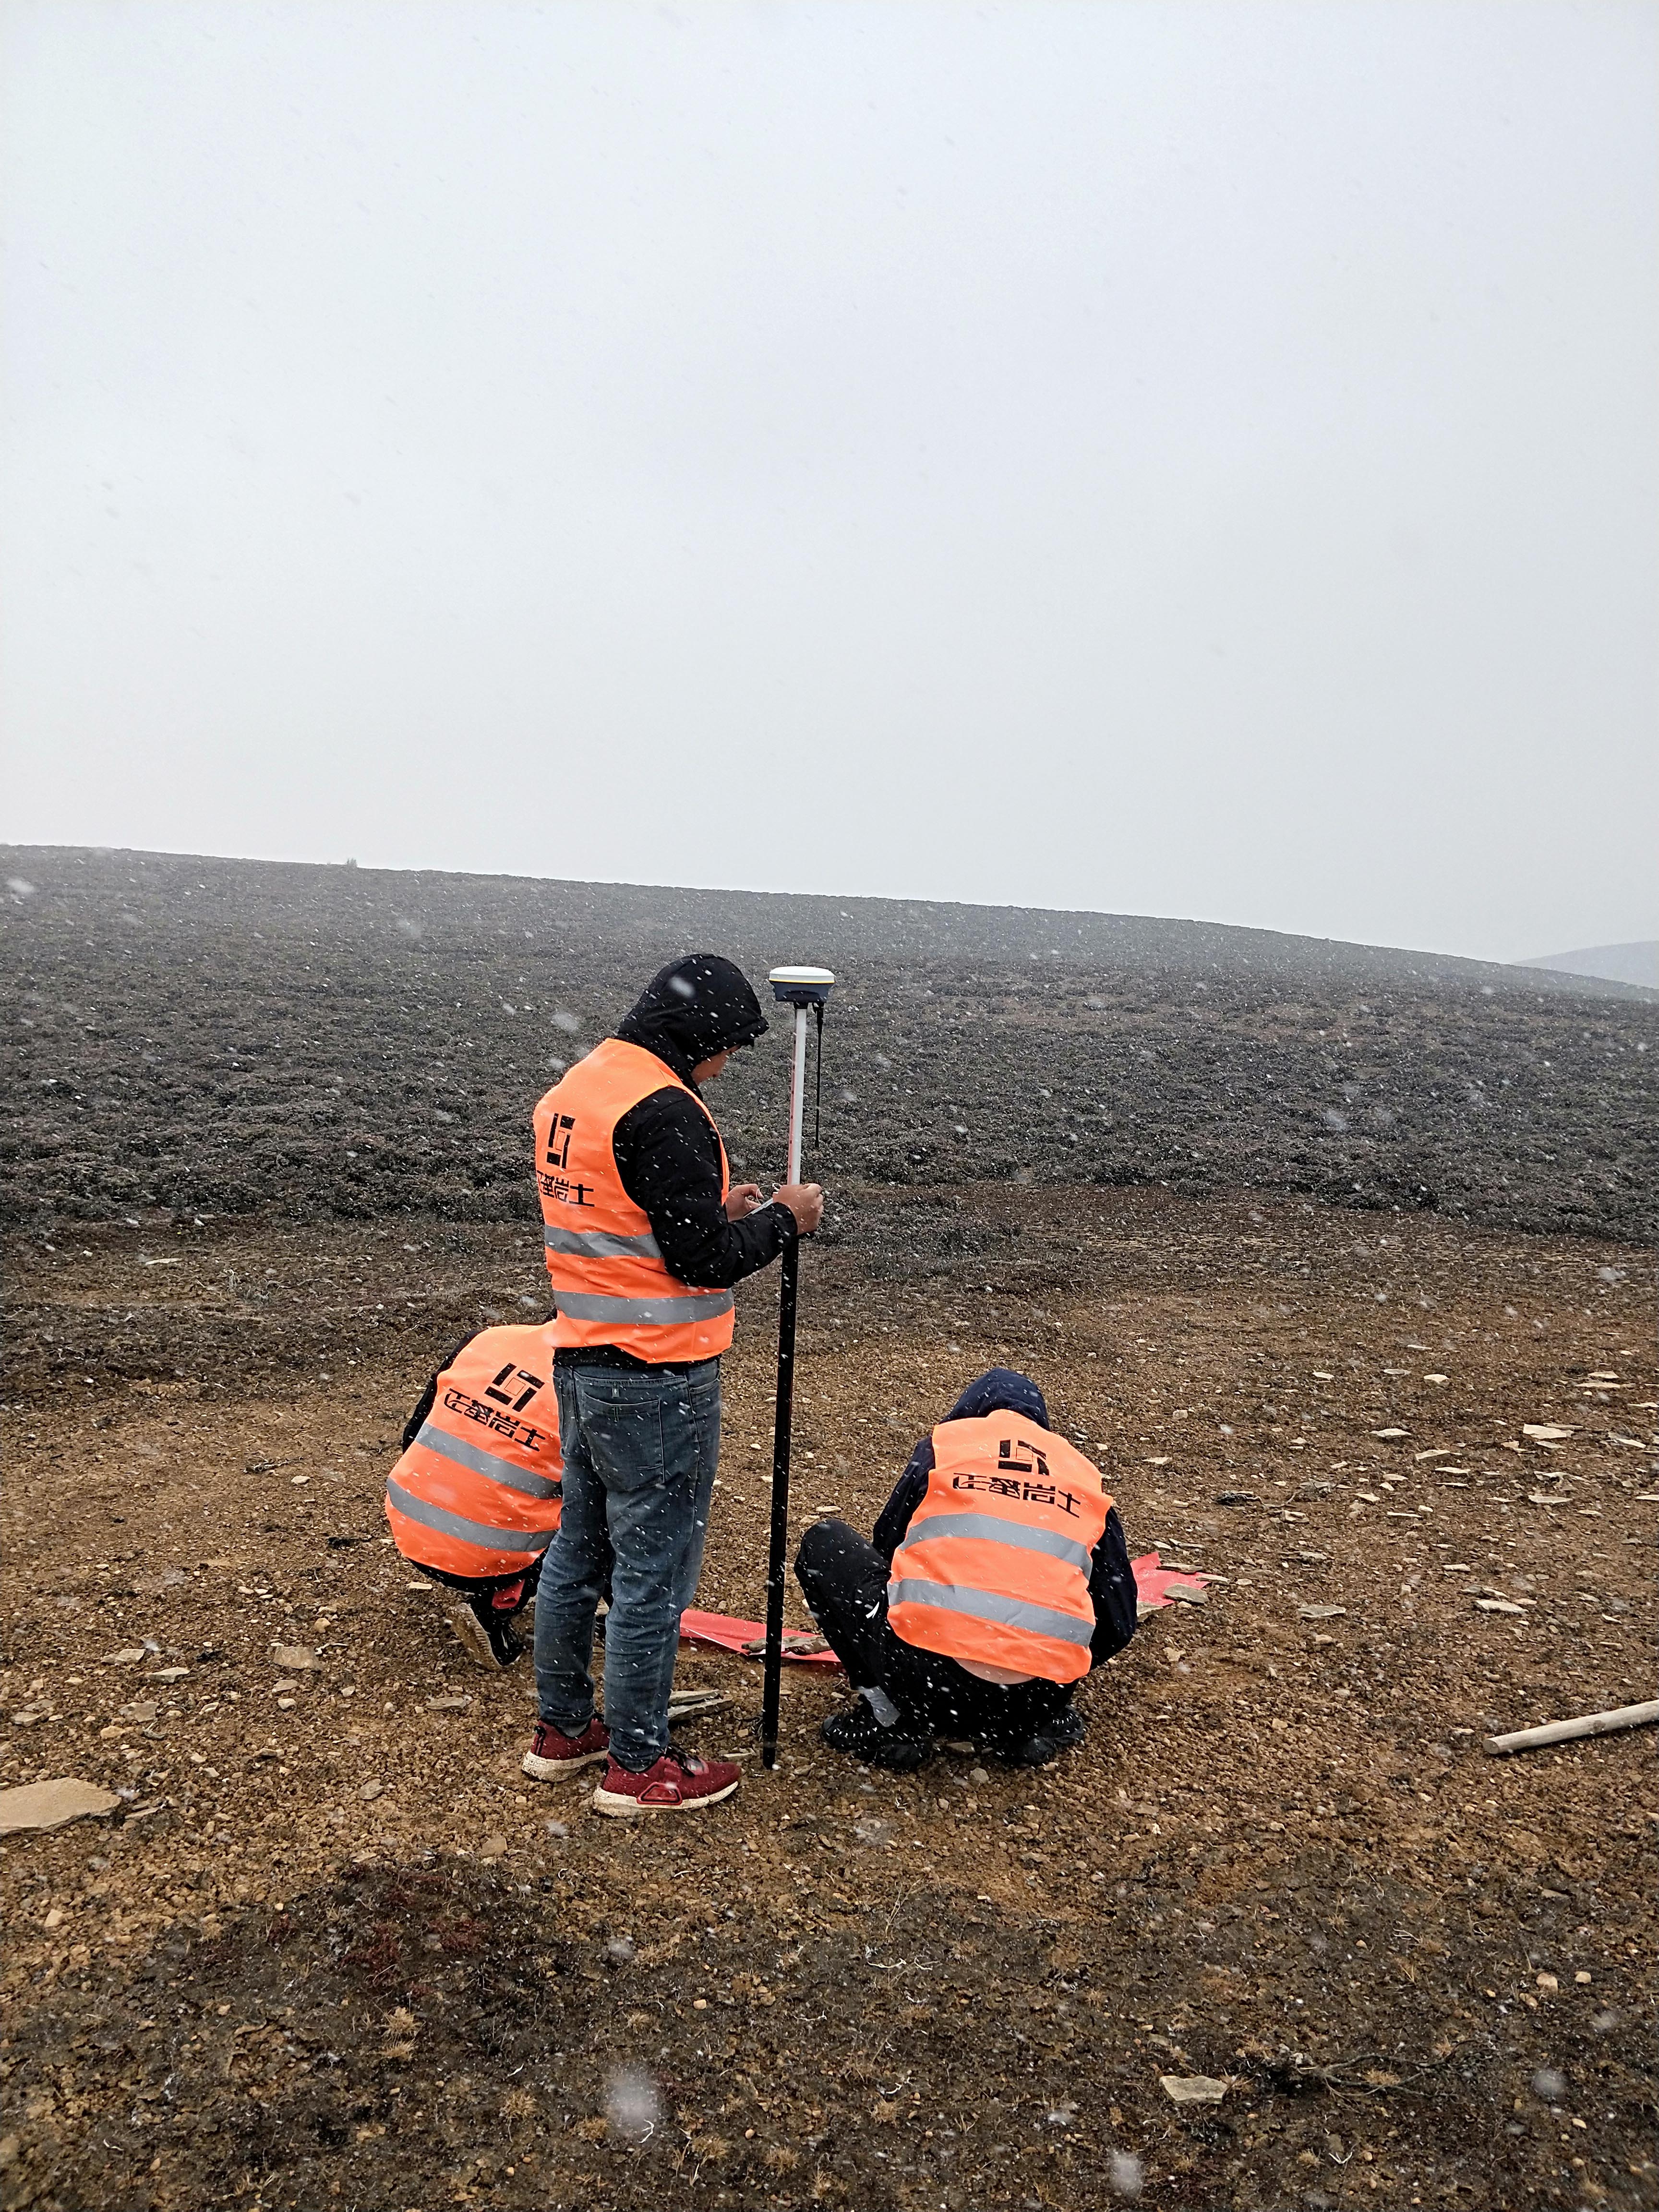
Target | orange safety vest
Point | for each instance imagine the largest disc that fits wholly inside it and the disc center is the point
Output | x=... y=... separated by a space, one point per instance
x=995 y=1566
x=479 y=1490
x=610 y=1282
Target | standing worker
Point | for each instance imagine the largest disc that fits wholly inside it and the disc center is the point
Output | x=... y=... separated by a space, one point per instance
x=998 y=1578
x=644 y=1238
x=474 y=1500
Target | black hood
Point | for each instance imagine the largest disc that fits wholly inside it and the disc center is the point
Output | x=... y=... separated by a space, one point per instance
x=693 y=1009
x=1001 y=1390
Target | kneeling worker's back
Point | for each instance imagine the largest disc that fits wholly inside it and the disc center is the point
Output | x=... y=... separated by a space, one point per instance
x=994 y=1568
x=478 y=1488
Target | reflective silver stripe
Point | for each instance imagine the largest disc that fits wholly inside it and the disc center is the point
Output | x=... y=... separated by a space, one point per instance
x=470 y=1532
x=600 y=1244
x=989 y=1605
x=482 y=1462
x=992 y=1528
x=660 y=1313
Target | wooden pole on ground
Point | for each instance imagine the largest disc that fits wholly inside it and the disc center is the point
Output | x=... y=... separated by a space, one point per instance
x=1621 y=1716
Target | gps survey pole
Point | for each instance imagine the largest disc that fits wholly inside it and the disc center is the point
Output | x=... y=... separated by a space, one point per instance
x=801 y=989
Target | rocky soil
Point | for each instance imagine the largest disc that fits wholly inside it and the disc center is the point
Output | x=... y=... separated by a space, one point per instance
x=334 y=1949
x=1300 y=1241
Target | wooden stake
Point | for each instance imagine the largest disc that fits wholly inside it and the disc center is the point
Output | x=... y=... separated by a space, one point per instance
x=1621 y=1717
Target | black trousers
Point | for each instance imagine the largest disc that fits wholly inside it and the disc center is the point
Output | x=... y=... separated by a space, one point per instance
x=487 y=1585
x=843 y=1578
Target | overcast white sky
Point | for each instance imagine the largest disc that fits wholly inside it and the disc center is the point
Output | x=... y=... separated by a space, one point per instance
x=1167 y=459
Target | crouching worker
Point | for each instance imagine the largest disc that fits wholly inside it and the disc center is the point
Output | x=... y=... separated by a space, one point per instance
x=475 y=1497
x=998 y=1578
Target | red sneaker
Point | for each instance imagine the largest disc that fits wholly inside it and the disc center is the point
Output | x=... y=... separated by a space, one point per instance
x=551 y=1756
x=678 y=1782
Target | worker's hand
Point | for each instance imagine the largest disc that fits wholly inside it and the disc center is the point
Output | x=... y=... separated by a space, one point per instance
x=804 y=1201
x=742 y=1200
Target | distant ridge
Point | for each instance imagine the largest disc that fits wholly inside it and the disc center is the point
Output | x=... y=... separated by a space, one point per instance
x=201 y=1037
x=1613 y=964
x=292 y=898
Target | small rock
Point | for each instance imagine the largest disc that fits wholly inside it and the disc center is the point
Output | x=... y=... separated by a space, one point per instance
x=1498 y=1605
x=493 y=1847
x=141 y=1708
x=1321 y=1612
x=1548 y=1984
x=1237 y=1498
x=1390 y=1436
x=170 y=1674
x=1193 y=2088
x=451 y=1704
x=49 y=1804
x=299 y=1656
x=978 y=1776
x=129 y=1657
x=370 y=1790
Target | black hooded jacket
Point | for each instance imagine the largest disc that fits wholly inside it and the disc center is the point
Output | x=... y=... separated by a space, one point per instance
x=1111 y=1577
x=666 y=1154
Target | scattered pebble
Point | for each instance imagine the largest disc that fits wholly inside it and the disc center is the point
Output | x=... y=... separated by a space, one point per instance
x=1193 y=2088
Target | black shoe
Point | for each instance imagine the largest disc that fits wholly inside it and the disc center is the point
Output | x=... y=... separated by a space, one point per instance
x=861 y=1735
x=1061 y=1734
x=486 y=1632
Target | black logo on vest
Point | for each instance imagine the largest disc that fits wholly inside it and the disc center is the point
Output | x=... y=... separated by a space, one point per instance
x=503 y=1397
x=1010 y=1462
x=558 y=1140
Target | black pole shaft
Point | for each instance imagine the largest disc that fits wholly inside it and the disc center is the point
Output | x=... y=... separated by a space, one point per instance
x=771 y=1690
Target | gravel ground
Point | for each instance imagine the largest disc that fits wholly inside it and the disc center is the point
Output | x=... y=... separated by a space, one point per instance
x=1299 y=1239
x=333 y=1948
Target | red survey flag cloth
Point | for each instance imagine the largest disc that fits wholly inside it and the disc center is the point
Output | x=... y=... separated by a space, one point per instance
x=727 y=1633
x=1154 y=1582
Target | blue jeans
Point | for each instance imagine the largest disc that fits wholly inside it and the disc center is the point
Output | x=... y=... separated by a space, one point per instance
x=640 y=1451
